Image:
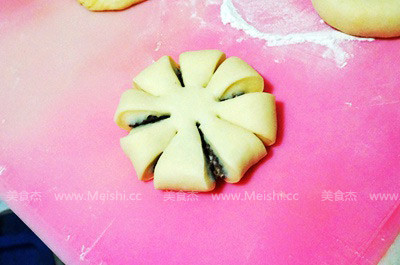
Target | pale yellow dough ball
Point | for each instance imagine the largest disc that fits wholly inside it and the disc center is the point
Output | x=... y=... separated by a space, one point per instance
x=104 y=5
x=365 y=18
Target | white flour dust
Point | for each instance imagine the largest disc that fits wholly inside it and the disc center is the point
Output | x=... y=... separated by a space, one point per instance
x=2 y=169
x=329 y=38
x=85 y=251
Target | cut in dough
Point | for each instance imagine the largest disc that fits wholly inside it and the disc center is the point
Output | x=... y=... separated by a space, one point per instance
x=103 y=5
x=194 y=123
x=364 y=18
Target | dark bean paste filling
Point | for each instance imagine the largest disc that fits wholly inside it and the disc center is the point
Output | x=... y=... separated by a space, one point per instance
x=179 y=75
x=153 y=166
x=214 y=166
x=149 y=119
x=234 y=95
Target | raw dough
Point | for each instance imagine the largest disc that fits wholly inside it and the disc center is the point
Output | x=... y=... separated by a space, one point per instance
x=204 y=120
x=103 y=5
x=365 y=18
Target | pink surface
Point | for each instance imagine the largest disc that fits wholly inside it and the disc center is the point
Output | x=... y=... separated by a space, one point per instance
x=62 y=72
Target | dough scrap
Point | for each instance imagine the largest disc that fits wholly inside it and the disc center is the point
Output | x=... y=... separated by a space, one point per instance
x=191 y=124
x=104 y=5
x=364 y=18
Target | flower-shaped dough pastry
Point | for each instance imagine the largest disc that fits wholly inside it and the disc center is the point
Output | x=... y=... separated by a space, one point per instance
x=192 y=124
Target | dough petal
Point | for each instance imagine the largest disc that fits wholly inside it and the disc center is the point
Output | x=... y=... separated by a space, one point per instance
x=236 y=148
x=160 y=78
x=145 y=144
x=198 y=66
x=235 y=76
x=182 y=165
x=253 y=111
x=136 y=104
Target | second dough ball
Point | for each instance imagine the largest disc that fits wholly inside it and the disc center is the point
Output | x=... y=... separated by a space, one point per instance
x=104 y=5
x=364 y=18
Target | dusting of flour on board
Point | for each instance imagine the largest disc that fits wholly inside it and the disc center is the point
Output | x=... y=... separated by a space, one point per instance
x=2 y=169
x=286 y=24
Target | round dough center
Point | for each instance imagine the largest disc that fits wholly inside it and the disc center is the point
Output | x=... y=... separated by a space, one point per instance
x=194 y=104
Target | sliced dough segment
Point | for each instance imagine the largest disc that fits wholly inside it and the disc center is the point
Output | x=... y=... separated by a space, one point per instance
x=235 y=76
x=160 y=78
x=144 y=145
x=136 y=104
x=100 y=5
x=255 y=112
x=236 y=148
x=198 y=66
x=182 y=165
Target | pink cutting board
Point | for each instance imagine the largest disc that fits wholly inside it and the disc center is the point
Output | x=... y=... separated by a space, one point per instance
x=62 y=71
